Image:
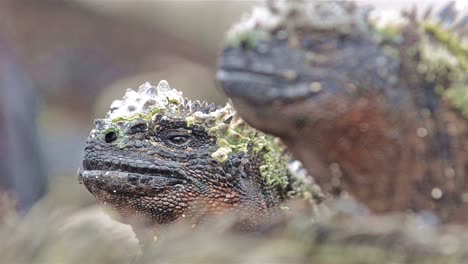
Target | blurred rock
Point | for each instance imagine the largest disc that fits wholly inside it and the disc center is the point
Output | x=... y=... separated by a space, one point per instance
x=21 y=171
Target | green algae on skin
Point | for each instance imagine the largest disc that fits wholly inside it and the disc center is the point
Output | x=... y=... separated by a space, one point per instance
x=237 y=138
x=446 y=60
x=275 y=170
x=458 y=97
x=221 y=154
x=390 y=32
x=137 y=116
x=248 y=39
x=451 y=41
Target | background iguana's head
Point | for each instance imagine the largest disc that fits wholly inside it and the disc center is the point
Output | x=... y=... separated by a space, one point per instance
x=160 y=156
x=311 y=63
x=300 y=61
x=359 y=102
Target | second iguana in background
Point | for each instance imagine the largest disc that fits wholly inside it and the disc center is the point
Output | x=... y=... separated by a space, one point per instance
x=377 y=109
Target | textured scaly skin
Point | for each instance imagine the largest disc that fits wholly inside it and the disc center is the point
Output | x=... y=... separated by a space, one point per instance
x=377 y=110
x=160 y=158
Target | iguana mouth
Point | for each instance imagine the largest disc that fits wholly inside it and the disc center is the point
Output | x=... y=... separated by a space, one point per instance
x=262 y=87
x=148 y=170
x=116 y=177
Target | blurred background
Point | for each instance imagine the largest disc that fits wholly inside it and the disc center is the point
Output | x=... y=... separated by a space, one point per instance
x=62 y=62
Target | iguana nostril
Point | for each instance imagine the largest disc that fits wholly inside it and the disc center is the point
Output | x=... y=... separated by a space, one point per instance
x=110 y=137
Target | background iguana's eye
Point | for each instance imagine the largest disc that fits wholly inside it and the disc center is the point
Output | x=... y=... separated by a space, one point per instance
x=178 y=140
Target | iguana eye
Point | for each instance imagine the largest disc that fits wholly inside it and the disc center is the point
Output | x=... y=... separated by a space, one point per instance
x=110 y=137
x=178 y=140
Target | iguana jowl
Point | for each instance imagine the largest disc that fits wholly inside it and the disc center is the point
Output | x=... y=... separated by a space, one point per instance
x=377 y=110
x=161 y=157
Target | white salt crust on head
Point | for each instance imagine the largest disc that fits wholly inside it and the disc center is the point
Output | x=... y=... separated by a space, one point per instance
x=149 y=98
x=146 y=99
x=290 y=15
x=344 y=17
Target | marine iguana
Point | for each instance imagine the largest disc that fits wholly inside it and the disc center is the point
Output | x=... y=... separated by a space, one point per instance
x=160 y=157
x=376 y=109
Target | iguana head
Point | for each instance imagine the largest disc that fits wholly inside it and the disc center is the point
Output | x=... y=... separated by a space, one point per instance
x=162 y=157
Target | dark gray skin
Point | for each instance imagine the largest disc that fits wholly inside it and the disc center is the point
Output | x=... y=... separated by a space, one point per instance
x=161 y=171
x=355 y=110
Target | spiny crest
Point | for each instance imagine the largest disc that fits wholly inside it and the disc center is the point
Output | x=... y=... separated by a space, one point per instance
x=441 y=23
x=443 y=50
x=432 y=43
x=448 y=17
x=450 y=29
x=439 y=33
x=279 y=18
x=149 y=100
x=202 y=106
